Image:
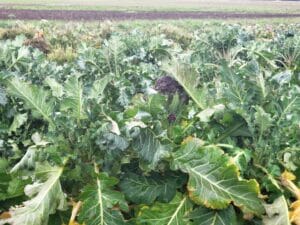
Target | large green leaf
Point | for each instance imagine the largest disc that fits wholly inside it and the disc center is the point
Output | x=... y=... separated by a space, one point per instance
x=74 y=100
x=98 y=88
x=149 y=148
x=102 y=204
x=36 y=99
x=204 y=216
x=263 y=120
x=187 y=78
x=45 y=197
x=146 y=189
x=172 y=213
x=213 y=180
x=56 y=88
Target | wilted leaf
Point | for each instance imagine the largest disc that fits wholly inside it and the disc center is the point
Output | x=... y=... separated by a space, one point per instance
x=277 y=213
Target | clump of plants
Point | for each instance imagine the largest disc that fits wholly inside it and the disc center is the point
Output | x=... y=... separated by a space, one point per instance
x=62 y=55
x=178 y=34
x=134 y=132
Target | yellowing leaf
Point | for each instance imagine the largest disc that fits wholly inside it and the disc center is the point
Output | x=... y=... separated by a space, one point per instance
x=295 y=213
x=288 y=176
x=287 y=181
x=5 y=215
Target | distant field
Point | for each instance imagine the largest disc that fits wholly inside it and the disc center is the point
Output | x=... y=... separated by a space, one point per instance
x=157 y=5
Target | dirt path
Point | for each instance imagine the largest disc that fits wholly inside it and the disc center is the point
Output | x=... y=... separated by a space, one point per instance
x=116 y=15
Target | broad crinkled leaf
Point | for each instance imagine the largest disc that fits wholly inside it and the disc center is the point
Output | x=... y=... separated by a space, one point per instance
x=46 y=197
x=204 y=216
x=277 y=213
x=74 y=100
x=36 y=99
x=146 y=189
x=56 y=88
x=262 y=119
x=98 y=88
x=213 y=180
x=101 y=204
x=283 y=77
x=172 y=213
x=149 y=148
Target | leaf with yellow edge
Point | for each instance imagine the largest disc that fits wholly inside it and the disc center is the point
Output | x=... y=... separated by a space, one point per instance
x=213 y=180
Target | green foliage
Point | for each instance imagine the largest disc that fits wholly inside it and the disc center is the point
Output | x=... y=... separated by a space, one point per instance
x=95 y=129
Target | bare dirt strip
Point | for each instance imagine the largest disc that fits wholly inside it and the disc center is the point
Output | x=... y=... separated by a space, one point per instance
x=118 y=15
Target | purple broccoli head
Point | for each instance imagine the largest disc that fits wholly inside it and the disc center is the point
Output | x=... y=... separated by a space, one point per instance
x=167 y=85
x=171 y=118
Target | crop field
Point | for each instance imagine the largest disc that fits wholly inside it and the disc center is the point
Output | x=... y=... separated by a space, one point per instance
x=169 y=123
x=158 y=5
x=117 y=10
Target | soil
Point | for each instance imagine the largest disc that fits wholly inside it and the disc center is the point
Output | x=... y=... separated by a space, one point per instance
x=117 y=15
